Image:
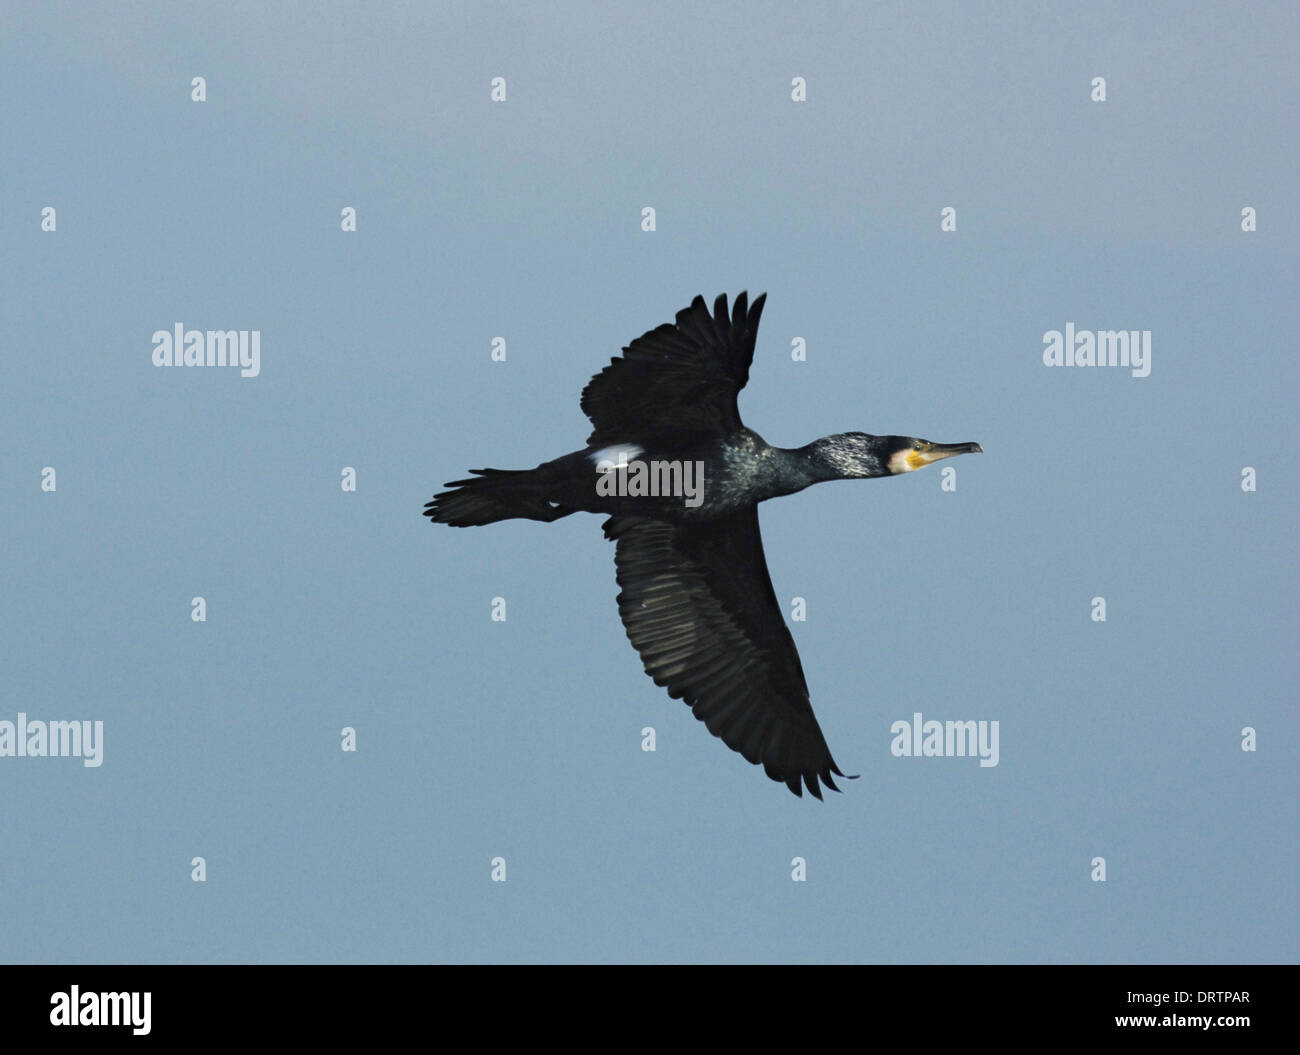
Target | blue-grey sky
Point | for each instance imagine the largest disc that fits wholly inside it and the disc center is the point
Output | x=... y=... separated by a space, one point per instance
x=522 y=219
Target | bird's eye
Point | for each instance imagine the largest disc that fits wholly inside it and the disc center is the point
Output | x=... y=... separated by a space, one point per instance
x=917 y=445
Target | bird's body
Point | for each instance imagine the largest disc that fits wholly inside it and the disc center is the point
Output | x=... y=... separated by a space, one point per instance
x=680 y=477
x=732 y=472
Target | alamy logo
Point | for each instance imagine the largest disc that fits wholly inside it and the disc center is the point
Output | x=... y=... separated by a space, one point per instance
x=75 y=1008
x=181 y=347
x=935 y=739
x=619 y=477
x=24 y=739
x=1131 y=348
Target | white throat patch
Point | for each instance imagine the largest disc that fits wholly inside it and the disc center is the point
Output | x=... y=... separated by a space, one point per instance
x=904 y=461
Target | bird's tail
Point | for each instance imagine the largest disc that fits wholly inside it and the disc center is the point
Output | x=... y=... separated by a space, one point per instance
x=492 y=495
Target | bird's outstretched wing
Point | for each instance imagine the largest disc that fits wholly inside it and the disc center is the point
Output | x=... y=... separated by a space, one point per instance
x=698 y=605
x=678 y=380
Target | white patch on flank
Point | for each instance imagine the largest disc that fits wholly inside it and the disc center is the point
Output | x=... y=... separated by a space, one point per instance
x=617 y=456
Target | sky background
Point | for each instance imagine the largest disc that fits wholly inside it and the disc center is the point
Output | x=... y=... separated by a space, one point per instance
x=521 y=219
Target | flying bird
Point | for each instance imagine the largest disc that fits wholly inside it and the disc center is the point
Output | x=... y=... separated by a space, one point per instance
x=680 y=478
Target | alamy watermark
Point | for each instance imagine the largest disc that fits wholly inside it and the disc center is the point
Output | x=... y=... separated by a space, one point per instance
x=620 y=474
x=181 y=347
x=1124 y=348
x=920 y=738
x=58 y=739
x=75 y=1008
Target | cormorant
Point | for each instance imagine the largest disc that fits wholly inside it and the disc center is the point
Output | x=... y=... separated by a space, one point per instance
x=696 y=599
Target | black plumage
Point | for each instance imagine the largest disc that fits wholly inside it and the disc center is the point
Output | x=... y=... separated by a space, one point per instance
x=677 y=381
x=695 y=595
x=698 y=604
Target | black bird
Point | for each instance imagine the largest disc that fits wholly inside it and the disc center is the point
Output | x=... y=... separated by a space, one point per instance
x=682 y=477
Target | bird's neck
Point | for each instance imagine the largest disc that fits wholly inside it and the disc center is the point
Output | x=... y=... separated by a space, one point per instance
x=839 y=457
x=800 y=467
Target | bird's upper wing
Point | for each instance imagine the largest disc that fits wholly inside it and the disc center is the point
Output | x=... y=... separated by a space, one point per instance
x=677 y=380
x=698 y=605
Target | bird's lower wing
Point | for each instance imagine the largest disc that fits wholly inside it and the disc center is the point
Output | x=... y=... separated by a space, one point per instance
x=698 y=605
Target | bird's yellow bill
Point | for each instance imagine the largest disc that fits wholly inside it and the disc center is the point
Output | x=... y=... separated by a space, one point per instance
x=935 y=452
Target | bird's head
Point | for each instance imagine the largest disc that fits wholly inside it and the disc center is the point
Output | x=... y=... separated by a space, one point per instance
x=908 y=452
x=858 y=454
